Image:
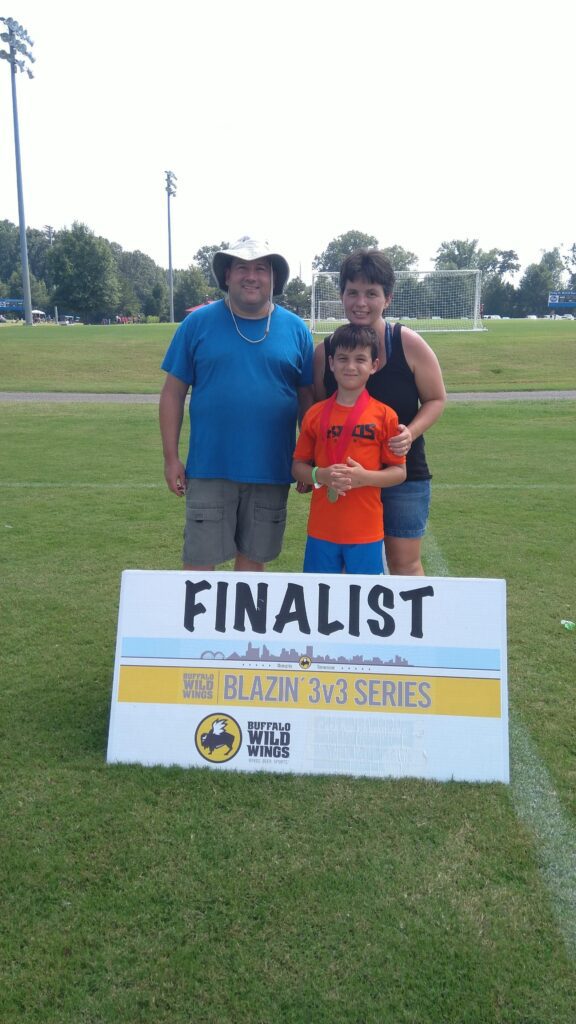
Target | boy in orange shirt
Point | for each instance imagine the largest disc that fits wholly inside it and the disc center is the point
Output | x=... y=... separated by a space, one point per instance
x=343 y=452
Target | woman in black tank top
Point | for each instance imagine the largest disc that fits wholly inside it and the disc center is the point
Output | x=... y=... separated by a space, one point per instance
x=409 y=380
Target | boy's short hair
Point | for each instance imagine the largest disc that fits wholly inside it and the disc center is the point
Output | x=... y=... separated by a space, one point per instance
x=351 y=336
x=370 y=264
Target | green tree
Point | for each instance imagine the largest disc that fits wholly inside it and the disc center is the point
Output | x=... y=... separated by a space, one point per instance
x=128 y=302
x=498 y=296
x=297 y=297
x=552 y=261
x=142 y=280
x=570 y=265
x=38 y=290
x=400 y=258
x=158 y=302
x=497 y=262
x=533 y=290
x=39 y=294
x=494 y=264
x=203 y=259
x=341 y=247
x=459 y=254
x=38 y=249
x=83 y=268
x=9 y=249
x=189 y=290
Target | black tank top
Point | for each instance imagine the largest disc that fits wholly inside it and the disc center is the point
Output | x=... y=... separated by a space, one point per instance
x=394 y=385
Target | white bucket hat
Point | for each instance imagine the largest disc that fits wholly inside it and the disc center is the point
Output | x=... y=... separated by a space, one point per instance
x=249 y=249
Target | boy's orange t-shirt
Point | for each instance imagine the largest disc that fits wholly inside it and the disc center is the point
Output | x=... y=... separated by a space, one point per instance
x=357 y=517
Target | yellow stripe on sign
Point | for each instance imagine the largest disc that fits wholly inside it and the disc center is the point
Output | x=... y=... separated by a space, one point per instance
x=158 y=684
x=466 y=696
x=417 y=694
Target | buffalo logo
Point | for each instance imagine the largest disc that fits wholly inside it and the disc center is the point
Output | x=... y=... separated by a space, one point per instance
x=305 y=661
x=218 y=739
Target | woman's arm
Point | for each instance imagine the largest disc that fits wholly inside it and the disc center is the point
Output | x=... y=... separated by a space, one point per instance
x=429 y=382
x=319 y=365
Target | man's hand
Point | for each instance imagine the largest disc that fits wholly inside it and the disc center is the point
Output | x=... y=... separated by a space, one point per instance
x=175 y=474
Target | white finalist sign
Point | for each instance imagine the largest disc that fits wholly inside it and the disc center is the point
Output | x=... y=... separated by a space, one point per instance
x=355 y=675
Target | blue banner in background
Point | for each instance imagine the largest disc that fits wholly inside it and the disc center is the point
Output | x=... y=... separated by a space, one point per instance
x=561 y=300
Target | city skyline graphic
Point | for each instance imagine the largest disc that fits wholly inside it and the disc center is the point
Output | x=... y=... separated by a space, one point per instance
x=254 y=653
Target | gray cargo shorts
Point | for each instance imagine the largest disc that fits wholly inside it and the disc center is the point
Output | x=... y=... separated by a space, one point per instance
x=225 y=518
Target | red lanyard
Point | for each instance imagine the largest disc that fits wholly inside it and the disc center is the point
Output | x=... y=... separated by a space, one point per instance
x=336 y=450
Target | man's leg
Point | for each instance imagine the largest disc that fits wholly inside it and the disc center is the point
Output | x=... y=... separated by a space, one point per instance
x=244 y=564
x=261 y=520
x=210 y=524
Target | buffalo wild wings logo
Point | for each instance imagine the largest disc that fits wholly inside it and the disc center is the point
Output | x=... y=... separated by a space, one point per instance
x=218 y=738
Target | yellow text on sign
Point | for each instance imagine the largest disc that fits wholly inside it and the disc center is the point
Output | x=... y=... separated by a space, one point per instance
x=326 y=691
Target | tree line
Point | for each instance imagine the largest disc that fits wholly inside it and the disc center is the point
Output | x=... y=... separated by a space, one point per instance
x=90 y=277
x=500 y=296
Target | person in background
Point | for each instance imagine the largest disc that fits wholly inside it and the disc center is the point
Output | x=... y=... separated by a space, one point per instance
x=409 y=380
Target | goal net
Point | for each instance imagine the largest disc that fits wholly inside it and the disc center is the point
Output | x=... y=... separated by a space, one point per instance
x=426 y=300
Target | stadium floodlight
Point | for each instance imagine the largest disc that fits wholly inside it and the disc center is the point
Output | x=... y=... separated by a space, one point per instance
x=18 y=53
x=428 y=301
x=171 y=180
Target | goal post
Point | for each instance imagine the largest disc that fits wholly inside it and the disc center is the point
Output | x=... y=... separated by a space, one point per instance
x=425 y=300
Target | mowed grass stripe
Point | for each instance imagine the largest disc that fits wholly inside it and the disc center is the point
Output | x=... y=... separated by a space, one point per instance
x=537 y=805
x=536 y=802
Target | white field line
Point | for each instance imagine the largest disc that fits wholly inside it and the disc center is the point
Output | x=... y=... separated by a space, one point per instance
x=139 y=485
x=536 y=803
x=560 y=486
x=78 y=485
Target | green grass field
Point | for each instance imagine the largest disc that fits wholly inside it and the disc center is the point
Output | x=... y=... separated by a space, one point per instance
x=166 y=896
x=511 y=355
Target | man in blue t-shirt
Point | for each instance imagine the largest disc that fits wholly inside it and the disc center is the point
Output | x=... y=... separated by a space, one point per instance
x=249 y=365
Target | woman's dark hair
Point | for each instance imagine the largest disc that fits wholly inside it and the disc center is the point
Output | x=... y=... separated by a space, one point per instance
x=370 y=264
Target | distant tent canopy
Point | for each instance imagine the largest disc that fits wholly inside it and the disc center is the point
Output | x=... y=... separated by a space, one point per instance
x=200 y=305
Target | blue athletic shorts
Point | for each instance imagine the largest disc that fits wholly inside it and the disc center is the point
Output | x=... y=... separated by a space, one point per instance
x=406 y=508
x=356 y=559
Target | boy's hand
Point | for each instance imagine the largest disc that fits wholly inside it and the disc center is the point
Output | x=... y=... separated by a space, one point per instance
x=356 y=473
x=339 y=478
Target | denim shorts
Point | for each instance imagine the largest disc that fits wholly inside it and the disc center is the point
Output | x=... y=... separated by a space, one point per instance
x=406 y=508
x=225 y=518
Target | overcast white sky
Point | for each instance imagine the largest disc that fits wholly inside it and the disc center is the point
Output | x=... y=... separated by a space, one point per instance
x=417 y=123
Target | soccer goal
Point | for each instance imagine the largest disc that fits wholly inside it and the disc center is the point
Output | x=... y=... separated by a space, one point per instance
x=426 y=300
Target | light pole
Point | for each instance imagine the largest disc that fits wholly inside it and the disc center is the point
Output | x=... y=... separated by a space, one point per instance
x=170 y=191
x=18 y=44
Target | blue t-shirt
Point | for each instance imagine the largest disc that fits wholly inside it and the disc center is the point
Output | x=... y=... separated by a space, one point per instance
x=244 y=406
